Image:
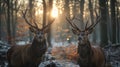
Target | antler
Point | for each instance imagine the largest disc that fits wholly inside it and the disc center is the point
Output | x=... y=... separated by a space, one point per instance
x=94 y=24
x=97 y=20
x=35 y=22
x=48 y=24
x=72 y=24
x=24 y=16
x=86 y=24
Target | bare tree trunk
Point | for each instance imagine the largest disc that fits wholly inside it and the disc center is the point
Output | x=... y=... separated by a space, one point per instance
x=74 y=8
x=66 y=13
x=66 y=8
x=109 y=25
x=81 y=12
x=3 y=23
x=119 y=30
x=117 y=27
x=12 y=21
x=49 y=19
x=44 y=13
x=113 y=20
x=15 y=22
x=0 y=20
x=103 y=23
x=92 y=20
x=91 y=11
x=119 y=21
x=14 y=3
x=31 y=16
x=8 y=22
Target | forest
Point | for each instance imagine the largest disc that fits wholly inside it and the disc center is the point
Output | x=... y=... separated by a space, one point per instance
x=59 y=21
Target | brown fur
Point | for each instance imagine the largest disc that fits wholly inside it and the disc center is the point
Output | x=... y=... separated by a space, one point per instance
x=26 y=55
x=89 y=55
x=95 y=57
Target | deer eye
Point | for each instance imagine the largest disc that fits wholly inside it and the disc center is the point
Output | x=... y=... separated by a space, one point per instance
x=41 y=33
x=37 y=33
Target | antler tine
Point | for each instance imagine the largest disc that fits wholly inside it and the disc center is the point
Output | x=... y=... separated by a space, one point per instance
x=93 y=25
x=48 y=24
x=76 y=27
x=75 y=24
x=35 y=23
x=97 y=20
x=86 y=24
x=72 y=24
x=89 y=26
x=24 y=16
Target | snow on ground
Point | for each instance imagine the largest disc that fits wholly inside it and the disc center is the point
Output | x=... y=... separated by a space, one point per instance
x=22 y=42
x=58 y=44
x=112 y=55
x=59 y=63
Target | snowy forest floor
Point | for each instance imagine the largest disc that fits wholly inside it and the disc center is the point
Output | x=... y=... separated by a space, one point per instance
x=112 y=53
x=66 y=56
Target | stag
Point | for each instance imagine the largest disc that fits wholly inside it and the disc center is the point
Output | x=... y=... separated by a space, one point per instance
x=89 y=55
x=29 y=55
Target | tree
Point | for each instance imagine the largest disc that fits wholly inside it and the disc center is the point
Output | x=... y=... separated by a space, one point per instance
x=0 y=19
x=31 y=13
x=75 y=7
x=44 y=13
x=67 y=8
x=9 y=15
x=14 y=7
x=113 y=20
x=49 y=20
x=103 y=23
x=82 y=12
x=118 y=21
x=9 y=21
x=14 y=18
x=92 y=18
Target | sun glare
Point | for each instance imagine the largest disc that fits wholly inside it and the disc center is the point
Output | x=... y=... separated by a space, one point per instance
x=54 y=12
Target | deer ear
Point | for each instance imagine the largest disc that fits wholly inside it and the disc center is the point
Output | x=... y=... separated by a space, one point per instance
x=76 y=32
x=33 y=30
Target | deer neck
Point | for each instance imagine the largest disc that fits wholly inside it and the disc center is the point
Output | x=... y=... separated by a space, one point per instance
x=35 y=41
x=84 y=50
x=38 y=48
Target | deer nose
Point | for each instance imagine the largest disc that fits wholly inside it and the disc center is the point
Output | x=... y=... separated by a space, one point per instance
x=79 y=38
x=40 y=36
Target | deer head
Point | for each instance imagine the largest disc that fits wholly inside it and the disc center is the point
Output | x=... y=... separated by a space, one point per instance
x=39 y=33
x=83 y=34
